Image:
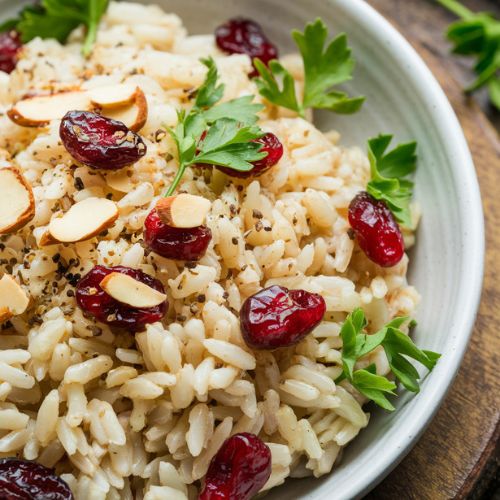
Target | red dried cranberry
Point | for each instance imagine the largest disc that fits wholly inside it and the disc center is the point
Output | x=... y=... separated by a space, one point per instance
x=173 y=242
x=274 y=149
x=244 y=36
x=25 y=480
x=239 y=470
x=96 y=302
x=100 y=142
x=377 y=232
x=10 y=45
x=278 y=317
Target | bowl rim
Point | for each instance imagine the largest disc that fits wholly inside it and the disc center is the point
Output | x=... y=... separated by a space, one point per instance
x=467 y=191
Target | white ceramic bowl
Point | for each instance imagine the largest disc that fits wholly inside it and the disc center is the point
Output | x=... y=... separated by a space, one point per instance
x=447 y=264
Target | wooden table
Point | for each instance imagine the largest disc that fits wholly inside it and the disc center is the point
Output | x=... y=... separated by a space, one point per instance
x=457 y=456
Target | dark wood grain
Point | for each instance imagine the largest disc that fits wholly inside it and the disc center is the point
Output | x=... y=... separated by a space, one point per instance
x=461 y=444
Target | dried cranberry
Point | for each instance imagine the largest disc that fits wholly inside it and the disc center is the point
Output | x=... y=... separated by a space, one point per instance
x=25 y=480
x=270 y=145
x=96 y=302
x=10 y=45
x=173 y=242
x=377 y=232
x=278 y=317
x=244 y=36
x=100 y=142
x=239 y=470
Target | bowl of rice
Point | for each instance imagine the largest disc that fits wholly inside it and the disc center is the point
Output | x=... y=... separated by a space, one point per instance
x=208 y=288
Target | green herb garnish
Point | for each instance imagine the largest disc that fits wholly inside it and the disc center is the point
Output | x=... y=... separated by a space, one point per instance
x=57 y=19
x=324 y=68
x=397 y=346
x=477 y=35
x=217 y=134
x=387 y=175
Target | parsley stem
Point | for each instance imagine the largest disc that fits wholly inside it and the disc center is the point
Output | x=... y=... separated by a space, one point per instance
x=457 y=8
x=175 y=182
x=89 y=40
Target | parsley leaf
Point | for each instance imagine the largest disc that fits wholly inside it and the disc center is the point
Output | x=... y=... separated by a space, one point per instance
x=209 y=93
x=374 y=387
x=242 y=109
x=227 y=144
x=324 y=68
x=217 y=134
x=397 y=346
x=477 y=35
x=58 y=18
x=387 y=172
x=269 y=86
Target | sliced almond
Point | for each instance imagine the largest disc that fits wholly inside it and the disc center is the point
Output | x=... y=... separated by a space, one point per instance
x=113 y=96
x=17 y=204
x=82 y=221
x=183 y=210
x=13 y=299
x=127 y=290
x=40 y=110
x=133 y=116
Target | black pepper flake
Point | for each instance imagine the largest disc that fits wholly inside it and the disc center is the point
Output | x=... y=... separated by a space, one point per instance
x=73 y=279
x=190 y=265
x=257 y=214
x=351 y=233
x=201 y=298
x=79 y=185
x=70 y=293
x=234 y=241
x=56 y=258
x=268 y=228
x=181 y=318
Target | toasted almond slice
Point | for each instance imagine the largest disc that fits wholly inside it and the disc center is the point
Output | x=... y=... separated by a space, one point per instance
x=40 y=110
x=13 y=299
x=82 y=221
x=183 y=210
x=133 y=116
x=113 y=96
x=127 y=290
x=17 y=204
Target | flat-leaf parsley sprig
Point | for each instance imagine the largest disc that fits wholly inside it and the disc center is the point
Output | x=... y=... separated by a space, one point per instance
x=57 y=19
x=324 y=68
x=217 y=134
x=388 y=172
x=477 y=35
x=397 y=346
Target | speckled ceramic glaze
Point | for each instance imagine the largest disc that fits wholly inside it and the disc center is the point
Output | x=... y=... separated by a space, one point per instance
x=446 y=265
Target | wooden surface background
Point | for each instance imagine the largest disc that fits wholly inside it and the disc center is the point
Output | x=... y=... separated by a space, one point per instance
x=457 y=457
